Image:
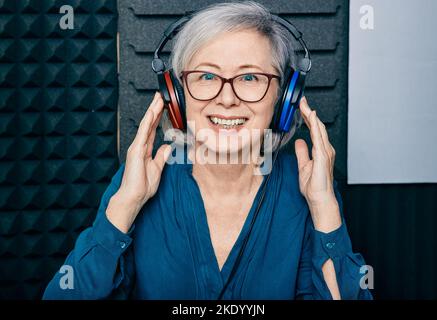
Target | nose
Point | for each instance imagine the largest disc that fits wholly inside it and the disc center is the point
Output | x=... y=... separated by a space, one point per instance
x=227 y=97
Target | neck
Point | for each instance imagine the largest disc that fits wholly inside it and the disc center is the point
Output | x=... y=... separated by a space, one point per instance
x=234 y=180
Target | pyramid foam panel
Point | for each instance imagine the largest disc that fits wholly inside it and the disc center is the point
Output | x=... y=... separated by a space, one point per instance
x=58 y=133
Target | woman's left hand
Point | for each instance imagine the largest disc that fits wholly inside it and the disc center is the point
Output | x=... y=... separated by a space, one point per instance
x=316 y=176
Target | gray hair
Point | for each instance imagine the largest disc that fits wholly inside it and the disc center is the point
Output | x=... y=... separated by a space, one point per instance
x=226 y=17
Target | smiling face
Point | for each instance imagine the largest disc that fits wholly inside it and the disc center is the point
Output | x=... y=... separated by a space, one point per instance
x=228 y=55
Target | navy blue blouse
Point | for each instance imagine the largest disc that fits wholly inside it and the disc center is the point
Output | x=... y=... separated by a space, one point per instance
x=168 y=253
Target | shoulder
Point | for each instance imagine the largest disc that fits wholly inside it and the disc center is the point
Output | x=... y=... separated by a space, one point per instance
x=288 y=162
x=288 y=168
x=174 y=174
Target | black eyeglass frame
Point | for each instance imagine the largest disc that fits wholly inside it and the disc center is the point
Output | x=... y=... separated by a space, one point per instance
x=184 y=75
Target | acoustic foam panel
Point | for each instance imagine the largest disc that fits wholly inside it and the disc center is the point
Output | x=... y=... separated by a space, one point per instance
x=58 y=133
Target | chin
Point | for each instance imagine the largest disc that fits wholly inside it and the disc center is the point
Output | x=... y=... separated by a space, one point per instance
x=221 y=135
x=223 y=146
x=230 y=145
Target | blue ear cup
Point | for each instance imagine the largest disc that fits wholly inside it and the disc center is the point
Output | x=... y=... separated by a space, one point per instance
x=292 y=92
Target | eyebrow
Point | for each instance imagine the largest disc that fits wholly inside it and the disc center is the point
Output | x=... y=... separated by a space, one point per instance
x=245 y=66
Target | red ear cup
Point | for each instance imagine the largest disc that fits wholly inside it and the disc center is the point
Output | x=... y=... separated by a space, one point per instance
x=173 y=104
x=180 y=96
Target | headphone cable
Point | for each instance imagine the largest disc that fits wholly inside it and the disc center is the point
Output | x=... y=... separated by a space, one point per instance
x=240 y=253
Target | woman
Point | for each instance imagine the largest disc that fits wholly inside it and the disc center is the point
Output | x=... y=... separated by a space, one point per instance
x=175 y=231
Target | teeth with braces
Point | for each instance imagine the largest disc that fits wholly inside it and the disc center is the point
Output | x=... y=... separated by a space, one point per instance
x=227 y=123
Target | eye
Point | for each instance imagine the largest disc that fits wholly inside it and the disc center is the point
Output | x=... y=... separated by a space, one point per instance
x=249 y=77
x=207 y=76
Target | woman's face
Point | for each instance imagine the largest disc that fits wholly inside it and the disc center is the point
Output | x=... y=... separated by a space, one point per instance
x=228 y=55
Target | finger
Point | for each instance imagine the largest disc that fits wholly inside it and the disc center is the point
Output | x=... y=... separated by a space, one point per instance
x=316 y=136
x=304 y=105
x=302 y=153
x=155 y=110
x=158 y=105
x=146 y=121
x=305 y=119
x=325 y=138
x=305 y=110
x=162 y=155
x=328 y=147
x=307 y=114
x=152 y=135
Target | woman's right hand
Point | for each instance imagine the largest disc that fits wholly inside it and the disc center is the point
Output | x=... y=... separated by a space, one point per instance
x=142 y=173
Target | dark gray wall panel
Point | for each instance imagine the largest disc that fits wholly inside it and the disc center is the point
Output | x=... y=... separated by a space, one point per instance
x=322 y=22
x=141 y=7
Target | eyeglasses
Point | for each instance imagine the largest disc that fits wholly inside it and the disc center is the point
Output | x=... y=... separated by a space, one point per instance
x=248 y=87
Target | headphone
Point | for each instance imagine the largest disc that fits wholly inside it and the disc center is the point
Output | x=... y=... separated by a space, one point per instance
x=291 y=91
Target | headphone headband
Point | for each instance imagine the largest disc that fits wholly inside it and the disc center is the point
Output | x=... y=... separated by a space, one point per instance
x=291 y=89
x=159 y=66
x=298 y=36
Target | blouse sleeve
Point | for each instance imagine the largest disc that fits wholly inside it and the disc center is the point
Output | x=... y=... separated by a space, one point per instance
x=101 y=263
x=317 y=249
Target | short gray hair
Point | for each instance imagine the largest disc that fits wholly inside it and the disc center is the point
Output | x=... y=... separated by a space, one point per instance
x=226 y=17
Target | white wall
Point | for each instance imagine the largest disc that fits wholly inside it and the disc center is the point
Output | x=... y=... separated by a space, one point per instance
x=392 y=127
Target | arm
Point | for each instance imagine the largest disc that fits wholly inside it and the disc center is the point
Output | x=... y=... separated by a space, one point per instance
x=328 y=268
x=101 y=260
